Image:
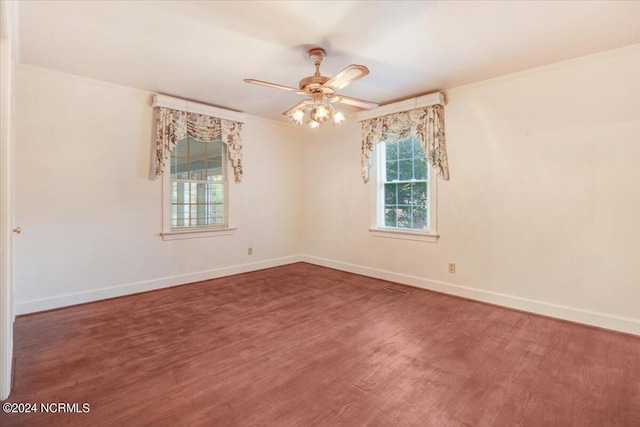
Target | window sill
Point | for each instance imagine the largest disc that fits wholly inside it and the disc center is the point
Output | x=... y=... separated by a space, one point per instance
x=392 y=233
x=197 y=233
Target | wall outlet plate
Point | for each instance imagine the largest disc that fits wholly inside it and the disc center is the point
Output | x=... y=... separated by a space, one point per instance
x=452 y=267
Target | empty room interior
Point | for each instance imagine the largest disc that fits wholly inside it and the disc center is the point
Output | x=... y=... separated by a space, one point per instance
x=301 y=213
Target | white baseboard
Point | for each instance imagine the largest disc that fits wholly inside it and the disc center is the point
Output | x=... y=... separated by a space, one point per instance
x=602 y=320
x=24 y=307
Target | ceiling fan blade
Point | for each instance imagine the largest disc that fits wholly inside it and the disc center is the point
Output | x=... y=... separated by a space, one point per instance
x=355 y=102
x=347 y=76
x=273 y=85
x=299 y=106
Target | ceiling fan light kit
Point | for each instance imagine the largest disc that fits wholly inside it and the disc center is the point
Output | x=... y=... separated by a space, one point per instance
x=321 y=91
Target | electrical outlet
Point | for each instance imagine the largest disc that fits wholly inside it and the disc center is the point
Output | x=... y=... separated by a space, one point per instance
x=452 y=267
x=249 y=251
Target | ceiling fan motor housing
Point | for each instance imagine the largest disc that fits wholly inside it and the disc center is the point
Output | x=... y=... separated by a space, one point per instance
x=312 y=83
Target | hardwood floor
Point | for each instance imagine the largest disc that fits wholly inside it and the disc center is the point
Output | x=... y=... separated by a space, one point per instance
x=302 y=345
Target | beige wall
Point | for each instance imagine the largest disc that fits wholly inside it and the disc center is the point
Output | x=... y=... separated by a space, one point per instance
x=543 y=205
x=90 y=215
x=542 y=211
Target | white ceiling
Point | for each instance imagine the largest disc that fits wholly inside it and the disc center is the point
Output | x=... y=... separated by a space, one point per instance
x=201 y=50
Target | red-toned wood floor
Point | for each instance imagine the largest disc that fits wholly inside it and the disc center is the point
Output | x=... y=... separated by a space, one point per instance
x=302 y=345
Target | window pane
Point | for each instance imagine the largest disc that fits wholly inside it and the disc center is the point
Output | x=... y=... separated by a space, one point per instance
x=198 y=204
x=174 y=215
x=215 y=156
x=406 y=169
x=404 y=216
x=197 y=149
x=203 y=214
x=179 y=167
x=391 y=151
x=392 y=170
x=197 y=170
x=420 y=218
x=174 y=167
x=180 y=192
x=404 y=193
x=174 y=191
x=419 y=190
x=420 y=167
x=214 y=150
x=214 y=170
x=183 y=171
x=405 y=149
x=390 y=194
x=215 y=193
x=390 y=216
x=216 y=214
x=181 y=148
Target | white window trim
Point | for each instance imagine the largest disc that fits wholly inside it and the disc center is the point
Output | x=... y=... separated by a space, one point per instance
x=192 y=232
x=197 y=233
x=394 y=233
x=430 y=236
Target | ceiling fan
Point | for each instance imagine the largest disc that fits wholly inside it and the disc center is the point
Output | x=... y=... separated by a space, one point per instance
x=321 y=91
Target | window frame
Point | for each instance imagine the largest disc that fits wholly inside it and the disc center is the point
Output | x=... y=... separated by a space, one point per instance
x=179 y=233
x=380 y=230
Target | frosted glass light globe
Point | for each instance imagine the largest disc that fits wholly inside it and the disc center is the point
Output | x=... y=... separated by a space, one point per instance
x=320 y=113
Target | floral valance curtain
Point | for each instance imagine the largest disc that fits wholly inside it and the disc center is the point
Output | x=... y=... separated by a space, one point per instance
x=174 y=125
x=426 y=124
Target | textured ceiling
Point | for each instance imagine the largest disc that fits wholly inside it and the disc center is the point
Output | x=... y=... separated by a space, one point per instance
x=202 y=50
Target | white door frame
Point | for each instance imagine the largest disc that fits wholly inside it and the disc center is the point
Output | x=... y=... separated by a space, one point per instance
x=7 y=58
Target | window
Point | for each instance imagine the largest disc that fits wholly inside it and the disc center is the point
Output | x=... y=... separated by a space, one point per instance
x=196 y=147
x=198 y=184
x=198 y=190
x=405 y=193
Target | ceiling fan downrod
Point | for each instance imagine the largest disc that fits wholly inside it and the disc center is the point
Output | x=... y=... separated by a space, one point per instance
x=317 y=54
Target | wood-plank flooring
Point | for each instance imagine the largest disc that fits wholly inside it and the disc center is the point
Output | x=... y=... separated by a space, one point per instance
x=302 y=345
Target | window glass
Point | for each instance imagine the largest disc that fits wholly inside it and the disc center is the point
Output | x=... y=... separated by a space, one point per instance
x=403 y=191
x=198 y=184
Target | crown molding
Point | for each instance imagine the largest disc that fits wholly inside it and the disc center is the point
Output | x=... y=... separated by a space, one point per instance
x=41 y=70
x=625 y=50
